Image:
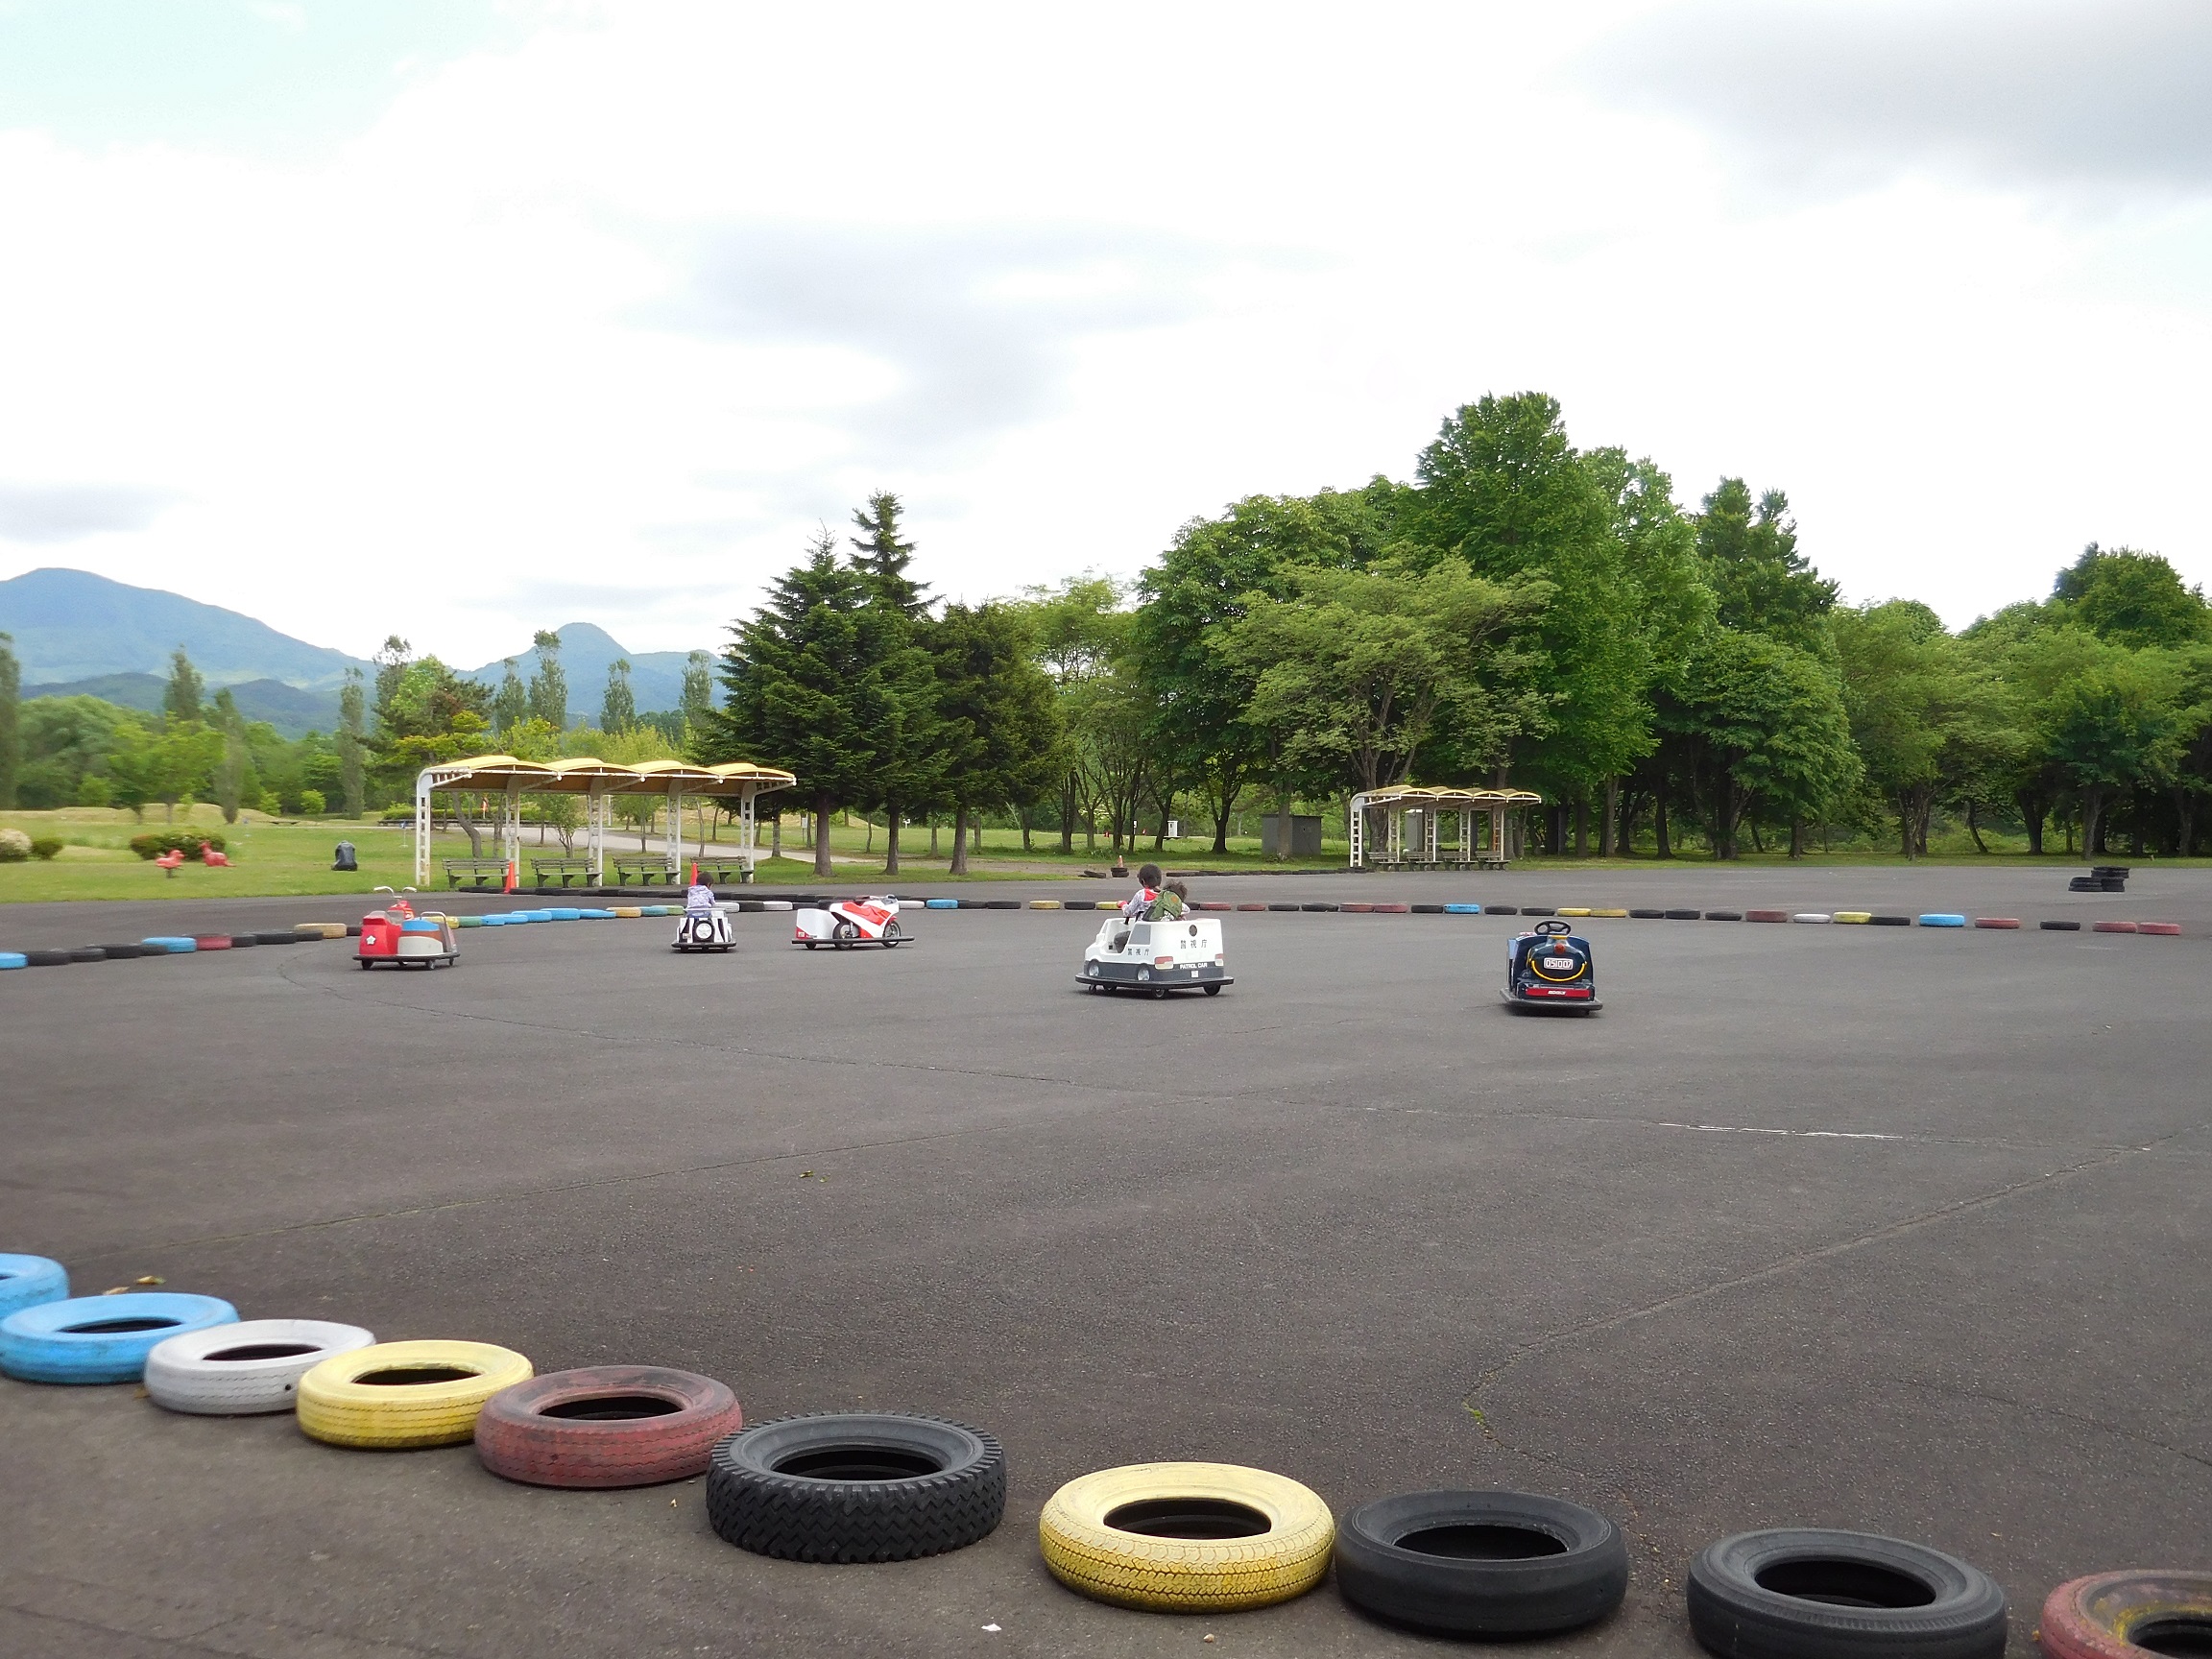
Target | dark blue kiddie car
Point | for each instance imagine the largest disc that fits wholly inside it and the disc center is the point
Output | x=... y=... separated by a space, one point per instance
x=1551 y=969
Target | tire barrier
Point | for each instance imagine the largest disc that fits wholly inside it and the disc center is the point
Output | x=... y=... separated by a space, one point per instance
x=244 y=1369
x=1349 y=909
x=1647 y=915
x=88 y=954
x=1321 y=904
x=1291 y=907
x=1805 y=1593
x=1532 y=910
x=1187 y=1537
x=1880 y=921
x=1763 y=915
x=1392 y=909
x=1818 y=916
x=2001 y=921
x=172 y=945
x=1683 y=915
x=1615 y=915
x=1044 y=904
x=2114 y=927
x=1856 y=917
x=122 y=952
x=1942 y=918
x=397 y=1396
x=211 y=942
x=857 y=1486
x=242 y=941
x=2128 y=1615
x=46 y=958
x=1502 y=910
x=1723 y=915
x=287 y=938
x=14 y=959
x=1463 y=910
x=1251 y=906
x=1427 y=909
x=2060 y=926
x=28 y=1281
x=325 y=929
x=941 y=903
x=1213 y=904
x=1572 y=911
x=1484 y=1564
x=100 y=1338
x=606 y=1425
x=2171 y=930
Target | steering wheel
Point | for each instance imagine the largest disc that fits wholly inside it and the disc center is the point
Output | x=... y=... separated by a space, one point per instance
x=1554 y=926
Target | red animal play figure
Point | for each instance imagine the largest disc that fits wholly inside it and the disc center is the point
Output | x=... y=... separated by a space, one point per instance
x=209 y=857
x=169 y=861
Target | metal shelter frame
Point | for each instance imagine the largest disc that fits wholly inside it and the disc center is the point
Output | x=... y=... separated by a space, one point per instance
x=599 y=782
x=1397 y=801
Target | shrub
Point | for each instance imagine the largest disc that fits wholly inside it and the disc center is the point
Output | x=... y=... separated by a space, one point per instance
x=155 y=842
x=14 y=847
x=311 y=803
x=45 y=846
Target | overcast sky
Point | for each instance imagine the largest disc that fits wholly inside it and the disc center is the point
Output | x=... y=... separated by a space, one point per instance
x=467 y=319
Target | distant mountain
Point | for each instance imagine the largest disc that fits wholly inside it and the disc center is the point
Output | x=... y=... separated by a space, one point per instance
x=294 y=713
x=72 y=625
x=78 y=634
x=656 y=677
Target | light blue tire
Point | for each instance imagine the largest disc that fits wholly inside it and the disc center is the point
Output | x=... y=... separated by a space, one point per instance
x=50 y=1342
x=596 y=915
x=1939 y=919
x=176 y=946
x=26 y=1281
x=14 y=959
x=942 y=903
x=565 y=915
x=1462 y=910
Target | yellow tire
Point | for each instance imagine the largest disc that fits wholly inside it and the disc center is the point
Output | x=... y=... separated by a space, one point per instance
x=630 y=912
x=328 y=929
x=1187 y=1574
x=337 y=1405
x=1583 y=911
x=1615 y=913
x=1860 y=916
x=1044 y=904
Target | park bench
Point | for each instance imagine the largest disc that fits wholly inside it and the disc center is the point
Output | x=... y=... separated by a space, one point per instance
x=639 y=873
x=724 y=871
x=480 y=872
x=567 y=869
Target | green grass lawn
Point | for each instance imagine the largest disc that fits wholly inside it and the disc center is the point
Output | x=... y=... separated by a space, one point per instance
x=288 y=856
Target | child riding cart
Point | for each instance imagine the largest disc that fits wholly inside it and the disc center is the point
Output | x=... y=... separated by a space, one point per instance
x=704 y=926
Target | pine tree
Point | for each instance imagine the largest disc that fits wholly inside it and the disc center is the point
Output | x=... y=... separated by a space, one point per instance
x=180 y=697
x=1000 y=714
x=881 y=556
x=392 y=658
x=512 y=707
x=549 y=686
x=231 y=790
x=793 y=678
x=697 y=700
x=11 y=737
x=618 y=707
x=350 y=745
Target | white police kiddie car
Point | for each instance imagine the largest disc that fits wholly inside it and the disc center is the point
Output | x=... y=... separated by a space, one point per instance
x=1183 y=954
x=705 y=926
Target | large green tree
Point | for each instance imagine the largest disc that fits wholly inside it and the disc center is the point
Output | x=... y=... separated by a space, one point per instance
x=1929 y=722
x=11 y=739
x=181 y=697
x=549 y=684
x=2131 y=598
x=1769 y=727
x=1000 y=721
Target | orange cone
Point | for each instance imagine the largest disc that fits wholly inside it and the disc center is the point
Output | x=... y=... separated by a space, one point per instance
x=510 y=876
x=694 y=871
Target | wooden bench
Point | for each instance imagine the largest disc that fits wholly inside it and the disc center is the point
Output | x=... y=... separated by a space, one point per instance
x=724 y=871
x=567 y=869
x=481 y=872
x=638 y=873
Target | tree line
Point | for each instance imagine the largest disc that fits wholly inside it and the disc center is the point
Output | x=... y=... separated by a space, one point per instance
x=1669 y=678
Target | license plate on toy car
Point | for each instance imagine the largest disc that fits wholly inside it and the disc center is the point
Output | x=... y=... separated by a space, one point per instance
x=1558 y=964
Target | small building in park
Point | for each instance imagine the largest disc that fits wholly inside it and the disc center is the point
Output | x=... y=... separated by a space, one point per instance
x=1405 y=826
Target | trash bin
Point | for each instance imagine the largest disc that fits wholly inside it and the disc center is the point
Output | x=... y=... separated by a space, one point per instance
x=346 y=858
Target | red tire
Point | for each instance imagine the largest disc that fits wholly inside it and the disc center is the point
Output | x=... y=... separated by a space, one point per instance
x=1392 y=909
x=2158 y=928
x=2114 y=927
x=1357 y=909
x=212 y=941
x=2114 y=1614
x=606 y=1425
x=1251 y=906
x=1765 y=915
x=1996 y=921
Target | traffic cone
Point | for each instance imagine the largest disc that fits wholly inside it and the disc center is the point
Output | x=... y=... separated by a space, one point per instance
x=510 y=876
x=694 y=871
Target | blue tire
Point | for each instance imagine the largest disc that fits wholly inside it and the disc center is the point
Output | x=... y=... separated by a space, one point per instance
x=57 y=1343
x=1941 y=919
x=1462 y=910
x=26 y=1281
x=14 y=959
x=173 y=945
x=942 y=903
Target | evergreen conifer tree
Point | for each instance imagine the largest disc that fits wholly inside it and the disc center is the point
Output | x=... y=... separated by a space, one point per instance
x=180 y=697
x=618 y=707
x=549 y=686
x=883 y=557
x=352 y=749
x=512 y=705
x=11 y=737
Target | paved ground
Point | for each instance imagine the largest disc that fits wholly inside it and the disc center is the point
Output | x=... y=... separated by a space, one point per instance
x=1896 y=1229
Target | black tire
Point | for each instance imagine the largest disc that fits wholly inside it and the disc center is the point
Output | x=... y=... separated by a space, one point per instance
x=1809 y=1592
x=857 y=1486
x=1500 y=910
x=46 y=958
x=1212 y=990
x=1317 y=906
x=1535 y=910
x=286 y=938
x=1647 y=915
x=844 y=935
x=1281 y=906
x=1683 y=915
x=122 y=952
x=244 y=941
x=893 y=933
x=2061 y=927
x=88 y=954
x=1481 y=1563
x=366 y=964
x=1428 y=910
x=1723 y=915
x=1890 y=921
x=1001 y=903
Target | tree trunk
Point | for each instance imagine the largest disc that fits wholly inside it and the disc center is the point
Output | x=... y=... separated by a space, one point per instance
x=1664 y=849
x=959 y=840
x=2092 y=821
x=2185 y=822
x=823 y=805
x=2032 y=812
x=932 y=834
x=776 y=836
x=1221 y=833
x=1796 y=837
x=1974 y=828
x=1582 y=827
x=1607 y=831
x=1283 y=823
x=1905 y=824
x=891 y=839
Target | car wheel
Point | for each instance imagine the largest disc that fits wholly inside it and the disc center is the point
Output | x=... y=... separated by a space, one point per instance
x=1212 y=990
x=1160 y=993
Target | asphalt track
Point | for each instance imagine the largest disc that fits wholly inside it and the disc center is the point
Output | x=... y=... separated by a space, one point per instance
x=1897 y=1229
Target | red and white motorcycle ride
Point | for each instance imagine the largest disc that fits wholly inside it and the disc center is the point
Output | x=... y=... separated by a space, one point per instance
x=845 y=923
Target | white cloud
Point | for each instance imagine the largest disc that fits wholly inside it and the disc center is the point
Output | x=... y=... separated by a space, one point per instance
x=615 y=316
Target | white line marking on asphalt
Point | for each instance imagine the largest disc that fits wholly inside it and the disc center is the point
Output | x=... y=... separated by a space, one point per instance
x=1802 y=1134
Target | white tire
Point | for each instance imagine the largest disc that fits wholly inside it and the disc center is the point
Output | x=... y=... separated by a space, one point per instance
x=188 y=1373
